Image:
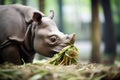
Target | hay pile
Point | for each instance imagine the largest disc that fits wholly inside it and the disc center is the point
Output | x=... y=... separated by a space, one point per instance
x=59 y=72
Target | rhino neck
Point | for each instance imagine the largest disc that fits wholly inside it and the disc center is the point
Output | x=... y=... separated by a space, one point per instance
x=28 y=40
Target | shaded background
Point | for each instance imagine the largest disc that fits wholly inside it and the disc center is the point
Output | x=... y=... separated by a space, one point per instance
x=96 y=24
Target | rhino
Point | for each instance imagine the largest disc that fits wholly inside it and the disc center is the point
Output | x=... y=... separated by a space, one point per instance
x=25 y=31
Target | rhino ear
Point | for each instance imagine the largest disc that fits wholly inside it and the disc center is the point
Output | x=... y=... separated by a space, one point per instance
x=37 y=17
x=51 y=14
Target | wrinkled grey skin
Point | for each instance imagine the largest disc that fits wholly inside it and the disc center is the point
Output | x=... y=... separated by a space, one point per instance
x=25 y=31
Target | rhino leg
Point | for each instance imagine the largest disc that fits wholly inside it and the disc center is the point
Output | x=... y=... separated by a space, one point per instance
x=11 y=54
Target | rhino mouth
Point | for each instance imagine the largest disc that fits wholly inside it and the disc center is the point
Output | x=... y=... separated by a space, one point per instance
x=57 y=49
x=52 y=53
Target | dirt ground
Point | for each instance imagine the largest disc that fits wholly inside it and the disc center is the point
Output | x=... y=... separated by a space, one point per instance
x=45 y=71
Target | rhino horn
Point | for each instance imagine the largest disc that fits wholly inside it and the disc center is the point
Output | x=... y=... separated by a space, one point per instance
x=51 y=14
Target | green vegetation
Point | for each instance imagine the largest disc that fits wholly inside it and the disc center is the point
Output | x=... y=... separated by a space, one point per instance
x=68 y=56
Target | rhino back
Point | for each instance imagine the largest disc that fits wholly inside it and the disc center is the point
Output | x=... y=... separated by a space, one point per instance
x=12 y=24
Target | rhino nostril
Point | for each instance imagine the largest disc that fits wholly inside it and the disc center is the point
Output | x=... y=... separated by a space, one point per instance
x=67 y=37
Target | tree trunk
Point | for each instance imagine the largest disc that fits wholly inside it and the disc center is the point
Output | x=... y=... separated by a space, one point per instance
x=24 y=2
x=42 y=5
x=95 y=33
x=13 y=1
x=109 y=34
x=117 y=3
x=60 y=23
x=2 y=2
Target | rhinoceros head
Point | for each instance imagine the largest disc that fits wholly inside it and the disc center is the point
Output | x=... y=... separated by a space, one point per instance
x=48 y=40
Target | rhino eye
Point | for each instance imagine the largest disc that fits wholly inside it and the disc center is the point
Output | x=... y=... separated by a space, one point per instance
x=53 y=38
